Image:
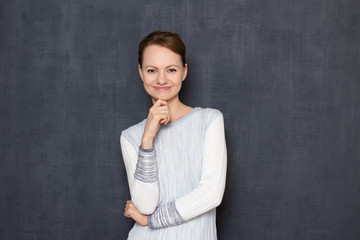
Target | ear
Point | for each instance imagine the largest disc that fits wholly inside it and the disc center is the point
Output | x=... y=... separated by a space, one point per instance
x=185 y=71
x=140 y=72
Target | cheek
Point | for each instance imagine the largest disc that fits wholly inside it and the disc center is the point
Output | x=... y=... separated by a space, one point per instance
x=179 y=79
x=147 y=87
x=148 y=79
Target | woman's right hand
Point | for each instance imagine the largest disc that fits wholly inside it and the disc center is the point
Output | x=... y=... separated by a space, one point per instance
x=158 y=114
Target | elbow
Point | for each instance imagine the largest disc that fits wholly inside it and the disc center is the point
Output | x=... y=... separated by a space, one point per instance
x=146 y=203
x=145 y=197
x=212 y=201
x=218 y=200
x=215 y=200
x=146 y=210
x=217 y=196
x=145 y=207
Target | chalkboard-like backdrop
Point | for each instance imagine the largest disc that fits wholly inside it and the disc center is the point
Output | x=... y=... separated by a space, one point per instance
x=284 y=73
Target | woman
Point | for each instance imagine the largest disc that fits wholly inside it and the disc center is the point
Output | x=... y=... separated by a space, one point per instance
x=176 y=158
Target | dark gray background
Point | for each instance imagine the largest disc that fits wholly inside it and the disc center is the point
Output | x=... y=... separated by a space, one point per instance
x=285 y=74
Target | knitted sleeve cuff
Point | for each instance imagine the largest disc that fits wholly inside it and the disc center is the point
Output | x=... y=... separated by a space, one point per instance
x=164 y=216
x=146 y=167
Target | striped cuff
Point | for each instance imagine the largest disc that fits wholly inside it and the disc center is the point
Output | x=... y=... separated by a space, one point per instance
x=165 y=216
x=146 y=150
x=146 y=167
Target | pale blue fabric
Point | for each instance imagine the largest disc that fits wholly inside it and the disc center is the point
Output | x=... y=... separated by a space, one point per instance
x=179 y=149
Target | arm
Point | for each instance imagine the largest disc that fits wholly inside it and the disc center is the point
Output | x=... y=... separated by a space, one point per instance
x=141 y=169
x=141 y=165
x=208 y=194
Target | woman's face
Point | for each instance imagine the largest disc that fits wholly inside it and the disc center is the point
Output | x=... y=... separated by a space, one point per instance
x=162 y=72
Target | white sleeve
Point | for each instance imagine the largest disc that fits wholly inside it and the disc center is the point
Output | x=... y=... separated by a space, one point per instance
x=210 y=190
x=209 y=193
x=141 y=169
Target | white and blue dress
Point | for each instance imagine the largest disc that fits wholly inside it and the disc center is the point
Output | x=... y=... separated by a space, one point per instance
x=181 y=180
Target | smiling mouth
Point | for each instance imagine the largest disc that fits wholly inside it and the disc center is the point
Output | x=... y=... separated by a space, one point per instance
x=161 y=88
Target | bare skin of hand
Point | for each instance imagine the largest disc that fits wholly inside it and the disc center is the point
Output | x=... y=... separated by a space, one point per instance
x=132 y=212
x=158 y=114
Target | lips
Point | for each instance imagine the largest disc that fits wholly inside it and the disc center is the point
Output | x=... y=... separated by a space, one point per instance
x=161 y=88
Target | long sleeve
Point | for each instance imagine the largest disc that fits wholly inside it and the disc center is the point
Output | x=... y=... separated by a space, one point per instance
x=209 y=192
x=141 y=169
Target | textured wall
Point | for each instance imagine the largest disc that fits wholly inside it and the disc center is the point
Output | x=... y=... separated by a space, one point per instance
x=284 y=73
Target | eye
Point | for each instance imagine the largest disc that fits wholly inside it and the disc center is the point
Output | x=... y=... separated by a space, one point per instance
x=151 y=70
x=172 y=70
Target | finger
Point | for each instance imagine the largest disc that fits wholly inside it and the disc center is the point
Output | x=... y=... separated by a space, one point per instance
x=162 y=117
x=168 y=118
x=164 y=109
x=153 y=110
x=126 y=213
x=161 y=108
x=160 y=102
x=158 y=111
x=164 y=122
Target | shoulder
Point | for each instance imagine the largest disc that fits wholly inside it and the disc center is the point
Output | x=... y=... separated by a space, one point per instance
x=208 y=115
x=134 y=133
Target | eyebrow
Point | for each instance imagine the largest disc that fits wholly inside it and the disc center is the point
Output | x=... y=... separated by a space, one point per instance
x=172 y=65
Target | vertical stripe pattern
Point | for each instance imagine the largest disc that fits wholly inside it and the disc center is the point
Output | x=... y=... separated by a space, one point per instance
x=179 y=155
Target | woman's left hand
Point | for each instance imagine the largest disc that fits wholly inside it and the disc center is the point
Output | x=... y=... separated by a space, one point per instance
x=132 y=212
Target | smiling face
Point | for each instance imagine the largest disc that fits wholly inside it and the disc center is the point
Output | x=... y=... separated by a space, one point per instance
x=162 y=72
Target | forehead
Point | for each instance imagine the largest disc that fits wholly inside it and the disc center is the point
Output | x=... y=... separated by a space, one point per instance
x=158 y=55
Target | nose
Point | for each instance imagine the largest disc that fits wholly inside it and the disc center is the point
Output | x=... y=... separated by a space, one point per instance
x=162 y=78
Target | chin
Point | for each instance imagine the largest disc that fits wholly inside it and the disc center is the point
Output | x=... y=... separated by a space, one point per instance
x=163 y=97
x=166 y=96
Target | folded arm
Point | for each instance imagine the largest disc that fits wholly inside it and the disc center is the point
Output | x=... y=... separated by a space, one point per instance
x=142 y=174
x=210 y=190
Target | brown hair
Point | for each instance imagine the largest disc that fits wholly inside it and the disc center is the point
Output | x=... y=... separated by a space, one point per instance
x=170 y=40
